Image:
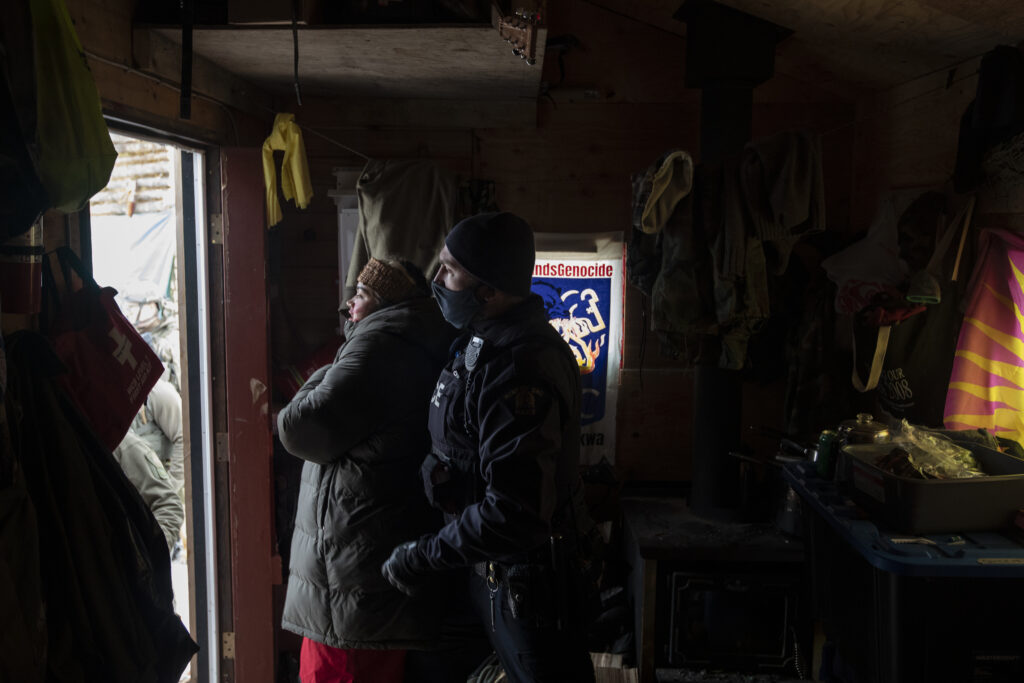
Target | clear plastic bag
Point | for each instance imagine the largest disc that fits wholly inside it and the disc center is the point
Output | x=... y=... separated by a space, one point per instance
x=935 y=456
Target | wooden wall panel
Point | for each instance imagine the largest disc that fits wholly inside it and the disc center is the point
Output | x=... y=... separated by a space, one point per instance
x=314 y=296
x=410 y=143
x=304 y=279
x=624 y=58
x=906 y=137
x=654 y=431
x=315 y=245
x=575 y=176
x=396 y=114
x=103 y=24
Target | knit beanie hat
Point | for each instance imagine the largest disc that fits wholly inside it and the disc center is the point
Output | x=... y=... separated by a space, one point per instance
x=387 y=279
x=497 y=249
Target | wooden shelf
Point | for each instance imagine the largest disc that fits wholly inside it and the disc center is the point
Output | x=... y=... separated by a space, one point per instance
x=448 y=62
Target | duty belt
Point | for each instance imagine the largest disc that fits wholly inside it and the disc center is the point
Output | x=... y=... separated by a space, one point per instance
x=499 y=570
x=485 y=569
x=536 y=590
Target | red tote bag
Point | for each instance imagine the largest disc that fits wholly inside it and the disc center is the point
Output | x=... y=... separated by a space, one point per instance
x=110 y=367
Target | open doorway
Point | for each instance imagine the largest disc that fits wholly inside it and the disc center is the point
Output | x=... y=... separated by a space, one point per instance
x=146 y=230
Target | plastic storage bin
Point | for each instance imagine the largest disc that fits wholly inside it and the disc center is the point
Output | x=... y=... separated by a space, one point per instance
x=924 y=506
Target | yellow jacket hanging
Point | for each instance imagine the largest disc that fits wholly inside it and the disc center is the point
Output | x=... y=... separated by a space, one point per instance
x=295 y=183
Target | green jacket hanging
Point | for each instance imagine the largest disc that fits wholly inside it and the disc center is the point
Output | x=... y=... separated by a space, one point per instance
x=75 y=151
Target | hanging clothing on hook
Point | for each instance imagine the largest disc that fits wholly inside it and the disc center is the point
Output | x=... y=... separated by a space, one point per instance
x=406 y=207
x=295 y=184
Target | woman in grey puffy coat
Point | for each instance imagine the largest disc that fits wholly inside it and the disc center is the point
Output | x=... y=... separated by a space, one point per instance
x=360 y=425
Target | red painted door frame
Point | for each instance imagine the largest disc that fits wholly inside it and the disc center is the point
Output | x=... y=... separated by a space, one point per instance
x=247 y=382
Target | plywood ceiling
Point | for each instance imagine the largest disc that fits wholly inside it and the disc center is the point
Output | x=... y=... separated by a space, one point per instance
x=844 y=46
x=454 y=63
x=881 y=43
x=864 y=44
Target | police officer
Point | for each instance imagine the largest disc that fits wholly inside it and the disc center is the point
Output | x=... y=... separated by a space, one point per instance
x=505 y=432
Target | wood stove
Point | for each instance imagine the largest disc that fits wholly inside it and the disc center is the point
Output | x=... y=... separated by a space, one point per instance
x=712 y=594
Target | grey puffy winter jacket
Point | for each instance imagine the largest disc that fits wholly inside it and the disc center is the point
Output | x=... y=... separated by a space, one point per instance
x=360 y=423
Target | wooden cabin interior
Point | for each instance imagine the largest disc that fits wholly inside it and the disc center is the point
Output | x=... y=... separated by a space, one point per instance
x=882 y=86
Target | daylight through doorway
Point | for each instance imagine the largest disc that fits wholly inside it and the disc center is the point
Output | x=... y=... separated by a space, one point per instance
x=136 y=248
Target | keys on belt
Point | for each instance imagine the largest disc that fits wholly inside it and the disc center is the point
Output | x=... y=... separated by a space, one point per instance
x=523 y=583
x=496 y=577
x=493 y=586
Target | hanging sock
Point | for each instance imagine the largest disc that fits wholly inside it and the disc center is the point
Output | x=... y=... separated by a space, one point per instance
x=295 y=184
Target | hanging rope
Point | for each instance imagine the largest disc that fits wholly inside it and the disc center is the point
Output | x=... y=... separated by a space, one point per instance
x=334 y=142
x=295 y=51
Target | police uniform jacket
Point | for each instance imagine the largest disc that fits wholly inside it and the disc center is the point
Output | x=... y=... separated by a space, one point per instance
x=360 y=423
x=505 y=433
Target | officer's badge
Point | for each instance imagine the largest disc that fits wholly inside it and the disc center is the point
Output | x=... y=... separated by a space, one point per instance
x=526 y=401
x=438 y=391
x=473 y=348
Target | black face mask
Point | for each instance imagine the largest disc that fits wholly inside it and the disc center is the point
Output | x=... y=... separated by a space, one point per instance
x=458 y=308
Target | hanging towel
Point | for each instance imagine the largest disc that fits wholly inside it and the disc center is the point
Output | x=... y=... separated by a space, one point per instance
x=295 y=183
x=986 y=387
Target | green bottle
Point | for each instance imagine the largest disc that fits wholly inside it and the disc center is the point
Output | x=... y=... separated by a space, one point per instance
x=826 y=461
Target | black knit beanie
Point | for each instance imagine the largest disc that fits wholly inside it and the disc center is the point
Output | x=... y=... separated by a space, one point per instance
x=497 y=249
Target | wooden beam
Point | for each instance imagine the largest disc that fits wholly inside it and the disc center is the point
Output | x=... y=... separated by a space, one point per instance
x=250 y=449
x=154 y=53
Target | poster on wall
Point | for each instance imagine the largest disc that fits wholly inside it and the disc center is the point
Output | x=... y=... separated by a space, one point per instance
x=580 y=279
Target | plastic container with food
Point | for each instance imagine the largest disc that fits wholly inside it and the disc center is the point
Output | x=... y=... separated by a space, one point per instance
x=914 y=505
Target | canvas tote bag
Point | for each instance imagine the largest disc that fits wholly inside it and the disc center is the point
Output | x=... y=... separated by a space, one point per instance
x=909 y=364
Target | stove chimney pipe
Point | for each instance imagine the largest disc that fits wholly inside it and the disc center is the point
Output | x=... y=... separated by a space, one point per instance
x=728 y=53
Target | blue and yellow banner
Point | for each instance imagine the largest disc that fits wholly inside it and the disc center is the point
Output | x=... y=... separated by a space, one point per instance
x=583 y=296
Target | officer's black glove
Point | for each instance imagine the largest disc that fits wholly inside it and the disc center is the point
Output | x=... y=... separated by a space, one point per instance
x=405 y=569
